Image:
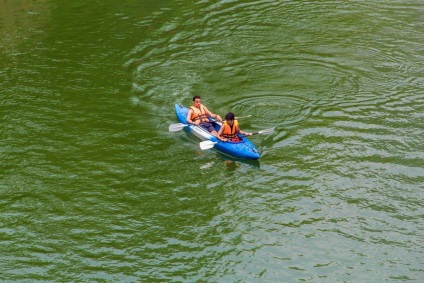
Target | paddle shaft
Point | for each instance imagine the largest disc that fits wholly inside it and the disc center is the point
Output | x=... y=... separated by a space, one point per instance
x=179 y=126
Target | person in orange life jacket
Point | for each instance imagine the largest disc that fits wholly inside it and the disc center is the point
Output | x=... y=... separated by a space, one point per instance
x=230 y=129
x=198 y=115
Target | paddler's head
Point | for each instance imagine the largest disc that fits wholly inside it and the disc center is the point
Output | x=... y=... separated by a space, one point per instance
x=197 y=101
x=229 y=118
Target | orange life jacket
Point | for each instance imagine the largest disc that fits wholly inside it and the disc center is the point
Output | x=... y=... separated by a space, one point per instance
x=230 y=132
x=199 y=114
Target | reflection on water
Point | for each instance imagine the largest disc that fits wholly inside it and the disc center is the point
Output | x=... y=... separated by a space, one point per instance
x=232 y=163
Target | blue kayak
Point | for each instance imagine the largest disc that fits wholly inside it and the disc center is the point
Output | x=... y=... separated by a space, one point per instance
x=243 y=149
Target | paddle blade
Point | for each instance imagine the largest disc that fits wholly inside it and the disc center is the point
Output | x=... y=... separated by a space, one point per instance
x=242 y=117
x=266 y=131
x=207 y=144
x=177 y=127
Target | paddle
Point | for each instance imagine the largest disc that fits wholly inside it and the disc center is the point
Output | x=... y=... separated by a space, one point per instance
x=209 y=144
x=179 y=126
x=264 y=132
x=206 y=144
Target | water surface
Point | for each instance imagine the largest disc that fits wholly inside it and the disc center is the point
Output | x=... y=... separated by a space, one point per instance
x=94 y=188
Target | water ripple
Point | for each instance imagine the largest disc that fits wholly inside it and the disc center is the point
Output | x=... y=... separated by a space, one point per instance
x=94 y=188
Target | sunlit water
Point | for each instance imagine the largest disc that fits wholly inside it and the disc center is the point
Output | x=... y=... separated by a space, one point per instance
x=94 y=188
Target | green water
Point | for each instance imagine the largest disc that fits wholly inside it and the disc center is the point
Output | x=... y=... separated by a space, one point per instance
x=93 y=187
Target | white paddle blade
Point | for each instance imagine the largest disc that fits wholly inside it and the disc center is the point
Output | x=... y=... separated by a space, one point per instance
x=266 y=131
x=242 y=117
x=207 y=144
x=177 y=127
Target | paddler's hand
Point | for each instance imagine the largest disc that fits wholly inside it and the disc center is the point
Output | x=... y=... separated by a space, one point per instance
x=218 y=118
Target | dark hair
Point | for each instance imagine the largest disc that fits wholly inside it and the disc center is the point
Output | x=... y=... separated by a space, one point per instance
x=229 y=116
x=195 y=97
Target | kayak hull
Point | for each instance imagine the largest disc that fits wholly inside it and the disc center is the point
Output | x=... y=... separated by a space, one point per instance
x=243 y=149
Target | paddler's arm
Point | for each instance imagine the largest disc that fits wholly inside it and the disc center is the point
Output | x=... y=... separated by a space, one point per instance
x=243 y=132
x=216 y=116
x=188 y=118
x=218 y=135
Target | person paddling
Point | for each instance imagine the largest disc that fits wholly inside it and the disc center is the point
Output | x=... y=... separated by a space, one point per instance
x=230 y=129
x=199 y=115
